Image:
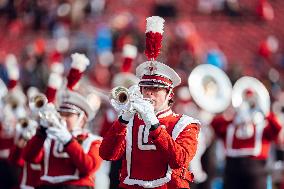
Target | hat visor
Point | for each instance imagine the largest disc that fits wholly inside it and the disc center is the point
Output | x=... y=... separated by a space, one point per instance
x=67 y=110
x=70 y=108
x=152 y=84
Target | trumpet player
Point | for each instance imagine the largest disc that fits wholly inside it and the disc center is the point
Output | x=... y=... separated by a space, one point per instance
x=29 y=172
x=155 y=144
x=12 y=110
x=68 y=153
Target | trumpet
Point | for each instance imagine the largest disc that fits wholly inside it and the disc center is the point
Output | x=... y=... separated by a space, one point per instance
x=37 y=102
x=43 y=110
x=25 y=128
x=12 y=101
x=24 y=122
x=120 y=94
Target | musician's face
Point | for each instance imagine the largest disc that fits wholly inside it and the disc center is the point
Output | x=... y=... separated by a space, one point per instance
x=71 y=120
x=156 y=94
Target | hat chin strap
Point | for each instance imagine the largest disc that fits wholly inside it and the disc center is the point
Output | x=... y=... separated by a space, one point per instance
x=77 y=130
x=162 y=107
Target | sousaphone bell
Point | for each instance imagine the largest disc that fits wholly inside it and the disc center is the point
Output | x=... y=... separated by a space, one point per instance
x=210 y=88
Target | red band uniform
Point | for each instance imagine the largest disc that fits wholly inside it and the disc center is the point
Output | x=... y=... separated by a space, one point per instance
x=156 y=156
x=70 y=163
x=247 y=138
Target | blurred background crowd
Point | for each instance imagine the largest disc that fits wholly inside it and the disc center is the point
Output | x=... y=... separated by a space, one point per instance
x=238 y=36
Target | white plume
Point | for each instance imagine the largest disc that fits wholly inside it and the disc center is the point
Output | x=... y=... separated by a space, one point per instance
x=155 y=24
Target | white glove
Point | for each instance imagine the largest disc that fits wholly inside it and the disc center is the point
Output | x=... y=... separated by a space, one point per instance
x=59 y=133
x=124 y=110
x=146 y=110
x=134 y=93
x=49 y=116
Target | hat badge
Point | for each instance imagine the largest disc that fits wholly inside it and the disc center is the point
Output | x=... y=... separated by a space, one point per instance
x=151 y=69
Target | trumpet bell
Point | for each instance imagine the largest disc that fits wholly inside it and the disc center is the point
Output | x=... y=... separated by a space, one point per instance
x=120 y=95
x=37 y=101
x=250 y=83
x=210 y=88
x=24 y=122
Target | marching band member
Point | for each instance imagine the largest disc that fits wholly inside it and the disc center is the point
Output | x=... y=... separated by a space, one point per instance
x=68 y=153
x=155 y=144
x=29 y=172
x=25 y=130
x=247 y=136
x=12 y=106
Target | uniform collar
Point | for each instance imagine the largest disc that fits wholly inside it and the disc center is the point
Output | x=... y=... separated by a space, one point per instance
x=164 y=113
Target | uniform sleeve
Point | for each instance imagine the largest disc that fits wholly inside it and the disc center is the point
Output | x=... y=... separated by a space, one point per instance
x=113 y=144
x=86 y=163
x=33 y=151
x=272 y=130
x=182 y=150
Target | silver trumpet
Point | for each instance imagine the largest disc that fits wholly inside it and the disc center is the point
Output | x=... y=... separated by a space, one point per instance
x=43 y=110
x=26 y=128
x=120 y=94
x=37 y=102
x=24 y=122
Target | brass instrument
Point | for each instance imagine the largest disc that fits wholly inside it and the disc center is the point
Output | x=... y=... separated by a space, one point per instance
x=262 y=94
x=25 y=128
x=24 y=122
x=210 y=88
x=38 y=101
x=43 y=110
x=120 y=94
x=14 y=98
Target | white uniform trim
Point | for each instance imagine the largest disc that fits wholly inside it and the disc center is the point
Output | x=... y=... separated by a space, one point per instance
x=35 y=167
x=178 y=128
x=23 y=184
x=26 y=187
x=86 y=145
x=58 y=150
x=24 y=178
x=254 y=151
x=142 y=139
x=182 y=123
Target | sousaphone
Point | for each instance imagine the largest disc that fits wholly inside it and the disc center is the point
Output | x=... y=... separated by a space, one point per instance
x=250 y=83
x=210 y=88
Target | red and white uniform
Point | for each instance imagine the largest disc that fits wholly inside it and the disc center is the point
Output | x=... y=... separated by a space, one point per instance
x=74 y=164
x=257 y=146
x=153 y=159
x=30 y=172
